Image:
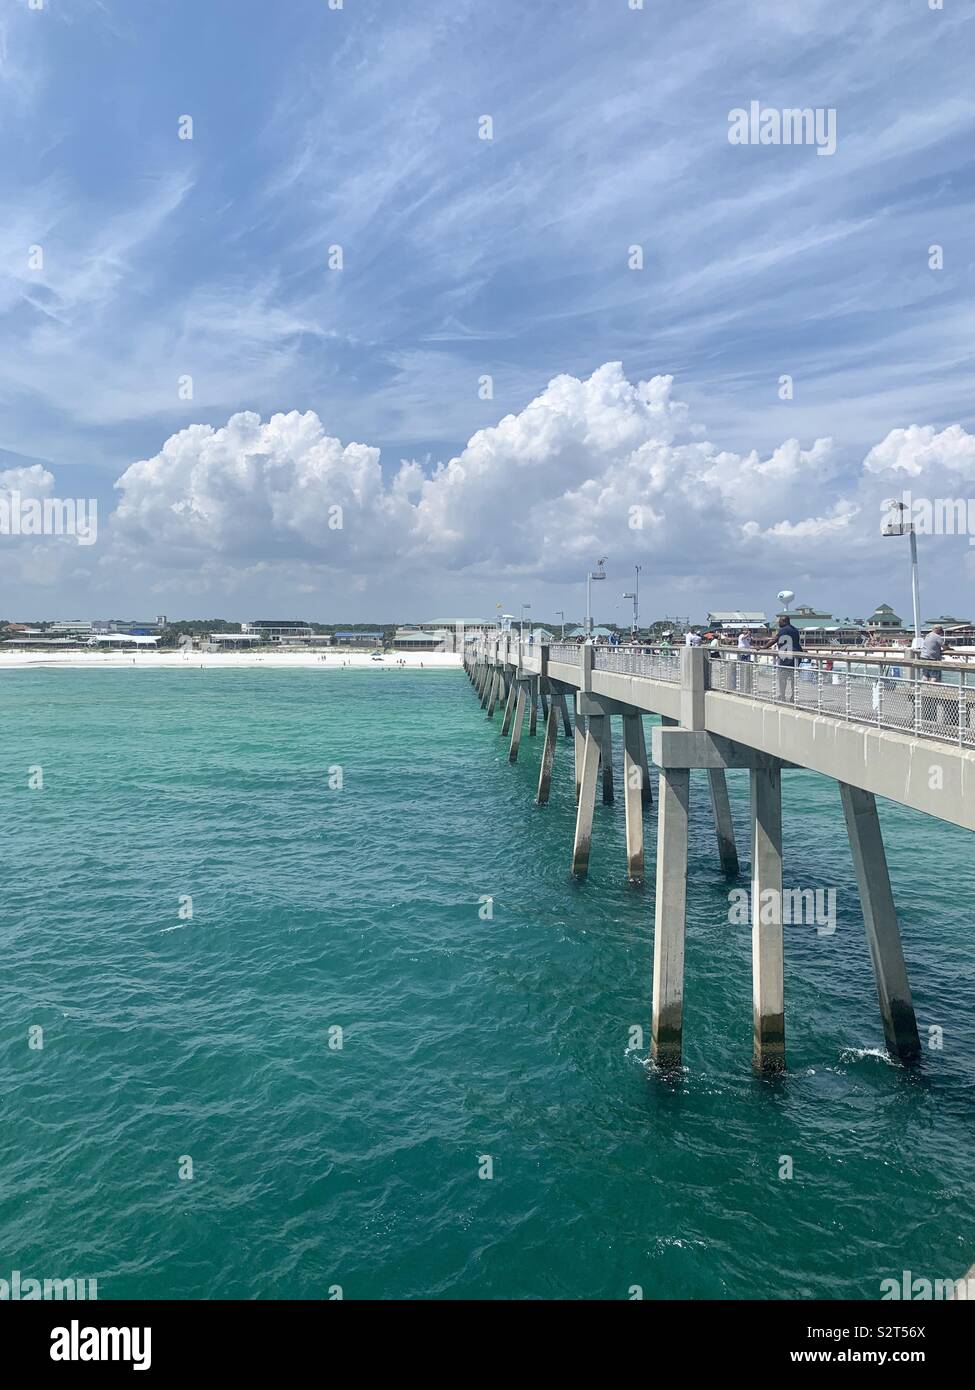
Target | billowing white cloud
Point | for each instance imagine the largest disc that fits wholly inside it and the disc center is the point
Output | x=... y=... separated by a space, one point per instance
x=921 y=449
x=33 y=480
x=596 y=465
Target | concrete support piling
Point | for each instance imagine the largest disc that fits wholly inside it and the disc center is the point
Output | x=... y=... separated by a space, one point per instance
x=564 y=711
x=768 y=992
x=606 y=752
x=669 y=917
x=519 y=720
x=723 y=827
x=533 y=718
x=495 y=682
x=880 y=920
x=548 y=755
x=633 y=782
x=587 y=796
x=646 y=792
x=580 y=748
x=509 y=708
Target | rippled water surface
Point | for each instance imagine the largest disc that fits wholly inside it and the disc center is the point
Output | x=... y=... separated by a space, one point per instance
x=317 y=906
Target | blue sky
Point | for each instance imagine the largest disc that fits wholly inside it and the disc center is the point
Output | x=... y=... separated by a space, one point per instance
x=466 y=258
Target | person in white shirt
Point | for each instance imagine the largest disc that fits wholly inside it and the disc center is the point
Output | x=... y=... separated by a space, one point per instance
x=692 y=638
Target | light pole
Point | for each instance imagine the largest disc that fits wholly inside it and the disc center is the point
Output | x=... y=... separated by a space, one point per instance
x=635 y=596
x=597 y=573
x=524 y=606
x=560 y=614
x=899 y=527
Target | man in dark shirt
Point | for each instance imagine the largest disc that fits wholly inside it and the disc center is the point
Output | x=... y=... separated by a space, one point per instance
x=787 y=641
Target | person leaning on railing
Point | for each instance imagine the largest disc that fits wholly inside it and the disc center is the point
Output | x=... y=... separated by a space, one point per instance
x=787 y=642
x=933 y=648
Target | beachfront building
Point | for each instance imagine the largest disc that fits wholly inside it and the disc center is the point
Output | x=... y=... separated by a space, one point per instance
x=883 y=619
x=734 y=620
x=123 y=641
x=76 y=629
x=233 y=641
x=460 y=630
x=287 y=632
x=413 y=639
x=359 y=639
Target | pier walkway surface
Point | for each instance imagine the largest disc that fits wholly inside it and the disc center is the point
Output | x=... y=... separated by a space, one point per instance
x=880 y=726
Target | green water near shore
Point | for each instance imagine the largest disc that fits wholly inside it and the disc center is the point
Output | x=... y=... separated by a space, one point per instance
x=317 y=906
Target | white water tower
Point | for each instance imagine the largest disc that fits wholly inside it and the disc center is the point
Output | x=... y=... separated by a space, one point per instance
x=785 y=597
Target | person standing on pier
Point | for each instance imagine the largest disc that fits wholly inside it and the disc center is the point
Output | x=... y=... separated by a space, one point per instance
x=787 y=641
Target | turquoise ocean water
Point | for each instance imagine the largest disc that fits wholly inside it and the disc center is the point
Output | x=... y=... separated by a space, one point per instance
x=316 y=906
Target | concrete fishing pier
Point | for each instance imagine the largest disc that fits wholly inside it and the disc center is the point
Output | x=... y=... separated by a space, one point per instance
x=876 y=729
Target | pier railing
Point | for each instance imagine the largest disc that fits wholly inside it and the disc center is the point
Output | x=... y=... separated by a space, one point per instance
x=568 y=653
x=638 y=661
x=935 y=700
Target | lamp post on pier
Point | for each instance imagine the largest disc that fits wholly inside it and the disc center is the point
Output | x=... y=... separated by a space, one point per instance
x=597 y=573
x=898 y=526
x=635 y=596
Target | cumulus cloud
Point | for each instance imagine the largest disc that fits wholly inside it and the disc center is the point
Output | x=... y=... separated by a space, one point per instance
x=921 y=449
x=591 y=465
x=33 y=480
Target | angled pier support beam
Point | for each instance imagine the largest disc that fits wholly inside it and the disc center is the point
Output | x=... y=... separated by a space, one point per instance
x=587 y=795
x=768 y=991
x=606 y=758
x=548 y=755
x=647 y=791
x=533 y=696
x=564 y=711
x=880 y=920
x=485 y=687
x=723 y=826
x=580 y=749
x=492 y=699
x=634 y=781
x=509 y=709
x=669 y=917
x=519 y=720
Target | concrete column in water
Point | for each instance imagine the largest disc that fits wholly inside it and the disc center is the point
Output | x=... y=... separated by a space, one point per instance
x=508 y=711
x=495 y=682
x=647 y=791
x=587 y=794
x=564 y=711
x=542 y=691
x=768 y=991
x=606 y=750
x=533 y=719
x=580 y=749
x=880 y=920
x=673 y=794
x=519 y=720
x=633 y=780
x=485 y=690
x=548 y=755
x=723 y=826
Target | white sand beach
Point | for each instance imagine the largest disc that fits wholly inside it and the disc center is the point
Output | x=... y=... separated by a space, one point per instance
x=229 y=661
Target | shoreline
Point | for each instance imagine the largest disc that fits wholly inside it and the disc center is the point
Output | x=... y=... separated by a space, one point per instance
x=231 y=661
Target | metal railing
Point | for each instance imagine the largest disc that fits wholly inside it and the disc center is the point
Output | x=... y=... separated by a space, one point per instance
x=933 y=700
x=566 y=652
x=652 y=664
